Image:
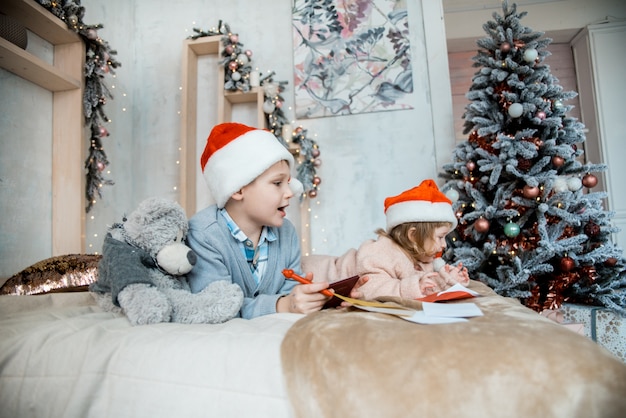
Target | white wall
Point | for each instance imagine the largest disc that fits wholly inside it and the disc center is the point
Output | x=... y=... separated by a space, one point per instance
x=365 y=157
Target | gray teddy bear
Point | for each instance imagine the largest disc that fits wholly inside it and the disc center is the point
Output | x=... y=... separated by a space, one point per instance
x=141 y=273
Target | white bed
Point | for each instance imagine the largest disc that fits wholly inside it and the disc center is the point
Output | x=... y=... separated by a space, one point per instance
x=62 y=356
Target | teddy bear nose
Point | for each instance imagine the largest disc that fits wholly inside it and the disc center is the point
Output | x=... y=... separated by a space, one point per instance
x=192 y=258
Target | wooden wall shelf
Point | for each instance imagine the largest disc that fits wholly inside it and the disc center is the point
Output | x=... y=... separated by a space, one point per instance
x=64 y=79
x=192 y=50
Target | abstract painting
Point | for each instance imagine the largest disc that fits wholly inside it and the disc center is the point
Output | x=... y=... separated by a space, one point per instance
x=350 y=57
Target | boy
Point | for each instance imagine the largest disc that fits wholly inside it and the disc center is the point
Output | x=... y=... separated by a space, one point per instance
x=244 y=237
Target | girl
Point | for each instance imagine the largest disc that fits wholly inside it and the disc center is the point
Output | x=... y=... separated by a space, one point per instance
x=403 y=261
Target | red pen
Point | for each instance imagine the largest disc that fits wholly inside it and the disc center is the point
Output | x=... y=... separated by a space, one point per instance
x=290 y=274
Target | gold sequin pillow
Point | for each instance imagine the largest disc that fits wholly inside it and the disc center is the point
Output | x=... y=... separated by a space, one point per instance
x=65 y=273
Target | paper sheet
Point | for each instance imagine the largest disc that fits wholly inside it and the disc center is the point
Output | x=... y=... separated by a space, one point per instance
x=432 y=313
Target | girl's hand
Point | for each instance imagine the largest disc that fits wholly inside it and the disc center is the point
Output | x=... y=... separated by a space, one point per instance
x=355 y=293
x=456 y=274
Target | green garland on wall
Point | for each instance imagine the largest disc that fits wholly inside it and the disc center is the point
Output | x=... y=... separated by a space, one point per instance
x=99 y=61
x=239 y=76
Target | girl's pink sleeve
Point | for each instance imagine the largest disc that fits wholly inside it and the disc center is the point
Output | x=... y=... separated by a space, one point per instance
x=389 y=270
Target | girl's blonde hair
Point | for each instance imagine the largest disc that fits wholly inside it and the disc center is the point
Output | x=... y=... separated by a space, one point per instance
x=413 y=242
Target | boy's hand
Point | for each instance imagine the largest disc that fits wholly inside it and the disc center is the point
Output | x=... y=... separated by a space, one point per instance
x=304 y=298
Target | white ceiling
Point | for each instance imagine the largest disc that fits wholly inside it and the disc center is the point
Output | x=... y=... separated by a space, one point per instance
x=456 y=6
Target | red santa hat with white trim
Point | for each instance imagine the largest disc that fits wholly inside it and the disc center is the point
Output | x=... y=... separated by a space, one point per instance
x=236 y=154
x=424 y=203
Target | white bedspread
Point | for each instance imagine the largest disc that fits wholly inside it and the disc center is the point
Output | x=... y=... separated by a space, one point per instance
x=62 y=356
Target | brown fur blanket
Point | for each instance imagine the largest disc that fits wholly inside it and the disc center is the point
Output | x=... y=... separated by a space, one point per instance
x=511 y=362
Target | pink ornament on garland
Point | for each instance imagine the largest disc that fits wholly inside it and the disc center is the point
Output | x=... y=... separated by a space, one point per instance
x=92 y=34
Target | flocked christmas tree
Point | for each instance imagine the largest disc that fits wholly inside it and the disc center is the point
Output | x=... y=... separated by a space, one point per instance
x=530 y=224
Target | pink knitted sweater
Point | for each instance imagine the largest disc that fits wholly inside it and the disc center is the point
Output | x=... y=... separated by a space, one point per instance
x=391 y=272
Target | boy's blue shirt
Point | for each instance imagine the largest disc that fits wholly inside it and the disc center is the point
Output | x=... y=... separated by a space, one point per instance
x=220 y=258
x=256 y=257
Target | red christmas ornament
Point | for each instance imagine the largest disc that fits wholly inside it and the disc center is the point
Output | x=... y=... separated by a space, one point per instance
x=317 y=180
x=312 y=193
x=541 y=115
x=100 y=165
x=315 y=152
x=505 y=47
x=530 y=192
x=103 y=131
x=234 y=38
x=233 y=65
x=557 y=161
x=228 y=49
x=590 y=180
x=471 y=165
x=481 y=225
x=592 y=229
x=610 y=262
x=566 y=264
